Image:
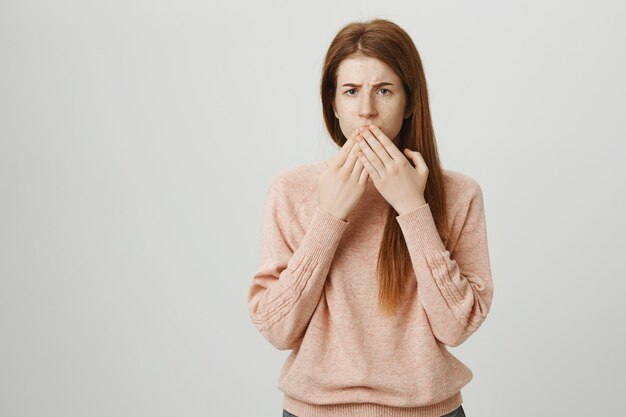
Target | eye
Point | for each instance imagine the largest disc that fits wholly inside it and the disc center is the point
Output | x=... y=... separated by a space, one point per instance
x=387 y=91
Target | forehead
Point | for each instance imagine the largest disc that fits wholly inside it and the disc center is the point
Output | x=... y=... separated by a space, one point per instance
x=367 y=69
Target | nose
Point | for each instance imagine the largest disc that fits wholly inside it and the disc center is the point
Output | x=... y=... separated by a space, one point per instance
x=367 y=110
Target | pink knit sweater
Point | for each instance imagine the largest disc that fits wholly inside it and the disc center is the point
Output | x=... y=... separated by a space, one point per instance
x=315 y=293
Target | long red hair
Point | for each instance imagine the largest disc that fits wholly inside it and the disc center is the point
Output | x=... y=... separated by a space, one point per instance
x=388 y=42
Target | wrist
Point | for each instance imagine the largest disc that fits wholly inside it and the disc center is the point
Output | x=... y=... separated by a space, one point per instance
x=332 y=213
x=405 y=208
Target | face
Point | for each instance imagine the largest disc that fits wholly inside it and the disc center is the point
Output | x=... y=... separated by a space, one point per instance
x=369 y=92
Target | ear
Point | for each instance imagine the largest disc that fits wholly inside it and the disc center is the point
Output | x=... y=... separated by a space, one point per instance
x=334 y=109
x=408 y=112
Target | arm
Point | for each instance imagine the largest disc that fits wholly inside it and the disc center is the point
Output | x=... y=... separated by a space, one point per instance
x=455 y=289
x=288 y=284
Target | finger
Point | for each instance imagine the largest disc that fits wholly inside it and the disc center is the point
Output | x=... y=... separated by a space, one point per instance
x=351 y=159
x=345 y=150
x=368 y=166
x=384 y=140
x=361 y=172
x=377 y=147
x=358 y=166
x=421 y=162
x=373 y=165
x=364 y=174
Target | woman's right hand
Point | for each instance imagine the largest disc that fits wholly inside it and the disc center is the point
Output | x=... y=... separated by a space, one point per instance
x=341 y=186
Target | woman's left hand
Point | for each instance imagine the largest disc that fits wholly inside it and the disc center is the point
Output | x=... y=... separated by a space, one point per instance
x=401 y=184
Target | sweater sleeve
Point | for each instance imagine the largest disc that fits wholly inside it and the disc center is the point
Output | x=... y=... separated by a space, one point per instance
x=455 y=289
x=289 y=281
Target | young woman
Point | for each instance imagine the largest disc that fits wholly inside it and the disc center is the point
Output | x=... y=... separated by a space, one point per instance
x=376 y=260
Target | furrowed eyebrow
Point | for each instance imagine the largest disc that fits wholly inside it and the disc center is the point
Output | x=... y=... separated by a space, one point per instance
x=358 y=85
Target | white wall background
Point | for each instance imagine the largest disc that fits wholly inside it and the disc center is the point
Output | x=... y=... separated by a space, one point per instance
x=137 y=140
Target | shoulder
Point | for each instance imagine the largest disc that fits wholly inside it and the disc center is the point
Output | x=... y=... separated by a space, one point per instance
x=297 y=175
x=293 y=184
x=465 y=208
x=459 y=184
x=462 y=191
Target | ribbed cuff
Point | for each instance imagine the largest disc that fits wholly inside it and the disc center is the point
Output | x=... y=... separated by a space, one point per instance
x=322 y=236
x=420 y=231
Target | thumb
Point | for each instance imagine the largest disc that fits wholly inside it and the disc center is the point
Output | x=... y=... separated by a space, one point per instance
x=411 y=156
x=409 y=153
